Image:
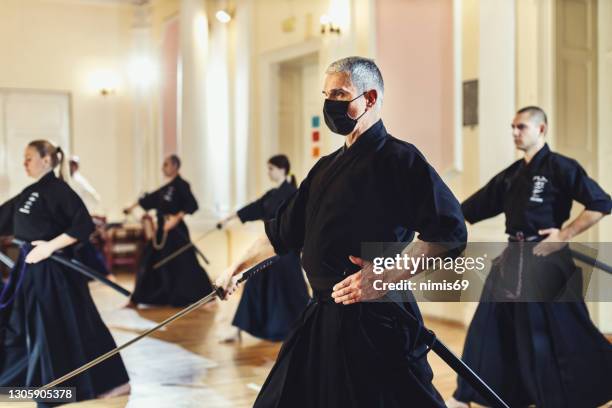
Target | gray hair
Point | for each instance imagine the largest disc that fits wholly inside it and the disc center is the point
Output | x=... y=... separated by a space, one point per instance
x=363 y=73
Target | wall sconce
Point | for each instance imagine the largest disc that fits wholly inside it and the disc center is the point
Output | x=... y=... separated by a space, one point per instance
x=107 y=91
x=104 y=81
x=327 y=25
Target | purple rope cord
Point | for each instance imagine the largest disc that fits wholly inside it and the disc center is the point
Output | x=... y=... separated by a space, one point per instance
x=23 y=251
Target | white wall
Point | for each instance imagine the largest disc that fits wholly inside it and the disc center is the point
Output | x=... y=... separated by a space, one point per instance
x=59 y=46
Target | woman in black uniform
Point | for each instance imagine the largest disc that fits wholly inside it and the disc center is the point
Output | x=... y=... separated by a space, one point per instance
x=182 y=280
x=52 y=325
x=272 y=301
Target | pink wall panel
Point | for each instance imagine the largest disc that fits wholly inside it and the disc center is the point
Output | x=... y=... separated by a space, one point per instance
x=169 y=69
x=415 y=55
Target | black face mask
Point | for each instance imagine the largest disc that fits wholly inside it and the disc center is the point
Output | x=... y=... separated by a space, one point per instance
x=337 y=118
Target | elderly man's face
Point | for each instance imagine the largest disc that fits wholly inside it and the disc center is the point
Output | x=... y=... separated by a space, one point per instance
x=338 y=87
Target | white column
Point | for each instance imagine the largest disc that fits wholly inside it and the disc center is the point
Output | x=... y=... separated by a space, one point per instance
x=496 y=87
x=241 y=101
x=193 y=136
x=218 y=159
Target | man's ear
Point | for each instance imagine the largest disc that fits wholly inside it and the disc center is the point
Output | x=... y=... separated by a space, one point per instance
x=543 y=128
x=371 y=97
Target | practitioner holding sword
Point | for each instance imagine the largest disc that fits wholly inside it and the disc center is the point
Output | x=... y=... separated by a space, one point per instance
x=181 y=280
x=50 y=322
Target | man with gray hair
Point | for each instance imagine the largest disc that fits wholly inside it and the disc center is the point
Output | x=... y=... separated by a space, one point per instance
x=345 y=351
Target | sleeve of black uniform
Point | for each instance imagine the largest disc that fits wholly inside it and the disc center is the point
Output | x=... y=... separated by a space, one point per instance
x=585 y=190
x=253 y=211
x=486 y=202
x=81 y=225
x=286 y=230
x=7 y=212
x=430 y=207
x=188 y=204
x=149 y=201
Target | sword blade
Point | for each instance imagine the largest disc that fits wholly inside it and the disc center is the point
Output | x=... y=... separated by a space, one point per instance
x=7 y=261
x=116 y=350
x=184 y=248
x=85 y=270
x=217 y=292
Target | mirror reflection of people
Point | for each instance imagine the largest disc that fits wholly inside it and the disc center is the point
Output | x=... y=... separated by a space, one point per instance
x=272 y=301
x=182 y=280
x=52 y=323
x=546 y=353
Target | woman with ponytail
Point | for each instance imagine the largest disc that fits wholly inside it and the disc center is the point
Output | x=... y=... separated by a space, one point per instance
x=52 y=324
x=272 y=301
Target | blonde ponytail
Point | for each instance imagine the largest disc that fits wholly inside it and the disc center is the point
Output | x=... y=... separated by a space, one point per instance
x=57 y=155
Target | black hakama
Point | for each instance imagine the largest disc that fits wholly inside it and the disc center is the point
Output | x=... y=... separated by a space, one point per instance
x=52 y=325
x=182 y=280
x=272 y=302
x=361 y=355
x=89 y=255
x=367 y=354
x=540 y=346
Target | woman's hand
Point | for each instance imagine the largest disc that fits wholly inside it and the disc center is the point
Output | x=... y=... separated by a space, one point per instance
x=41 y=251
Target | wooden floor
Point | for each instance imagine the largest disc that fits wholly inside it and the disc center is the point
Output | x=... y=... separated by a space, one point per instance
x=185 y=365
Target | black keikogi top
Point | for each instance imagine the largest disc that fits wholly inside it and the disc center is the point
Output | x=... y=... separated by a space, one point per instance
x=381 y=189
x=536 y=195
x=170 y=199
x=265 y=207
x=44 y=210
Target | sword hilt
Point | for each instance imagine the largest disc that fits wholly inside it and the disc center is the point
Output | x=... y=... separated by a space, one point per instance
x=247 y=274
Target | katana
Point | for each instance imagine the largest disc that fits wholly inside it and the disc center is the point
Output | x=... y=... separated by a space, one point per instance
x=217 y=292
x=7 y=261
x=195 y=248
x=184 y=248
x=459 y=366
x=590 y=261
x=83 y=269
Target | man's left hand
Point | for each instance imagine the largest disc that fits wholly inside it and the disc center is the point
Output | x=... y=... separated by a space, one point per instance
x=359 y=286
x=554 y=241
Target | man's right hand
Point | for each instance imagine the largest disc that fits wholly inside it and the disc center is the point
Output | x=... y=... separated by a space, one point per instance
x=228 y=282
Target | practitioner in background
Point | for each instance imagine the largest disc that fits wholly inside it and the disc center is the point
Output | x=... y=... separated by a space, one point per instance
x=272 y=301
x=537 y=347
x=182 y=280
x=86 y=252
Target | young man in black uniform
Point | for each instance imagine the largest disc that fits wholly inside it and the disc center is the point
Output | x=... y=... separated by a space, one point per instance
x=537 y=348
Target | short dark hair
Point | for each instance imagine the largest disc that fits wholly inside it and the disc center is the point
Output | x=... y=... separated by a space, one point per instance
x=175 y=160
x=534 y=111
